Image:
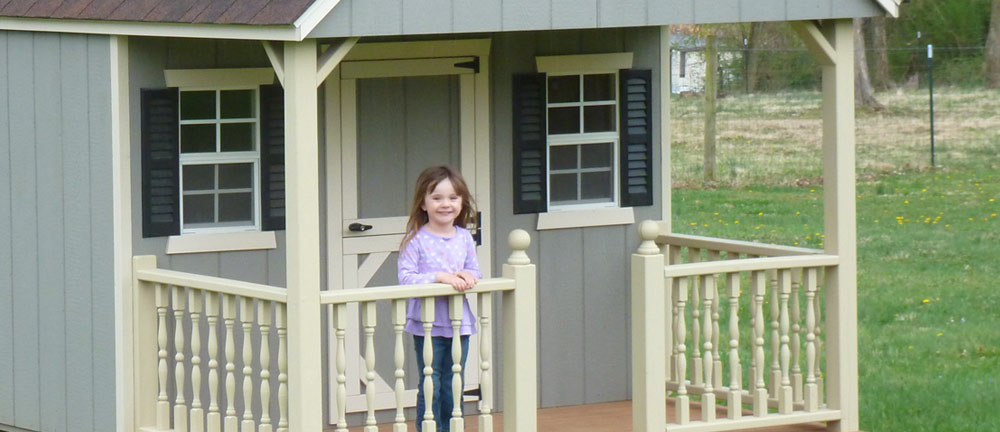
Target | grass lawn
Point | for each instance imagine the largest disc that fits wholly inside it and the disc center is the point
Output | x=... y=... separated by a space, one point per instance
x=929 y=262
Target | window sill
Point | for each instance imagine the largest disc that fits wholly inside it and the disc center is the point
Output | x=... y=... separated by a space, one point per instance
x=221 y=242
x=585 y=218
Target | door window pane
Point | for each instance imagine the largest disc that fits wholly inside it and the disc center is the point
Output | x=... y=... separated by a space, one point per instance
x=236 y=104
x=564 y=89
x=564 y=120
x=600 y=87
x=599 y=118
x=199 y=208
x=236 y=207
x=237 y=137
x=198 y=105
x=198 y=138
x=199 y=177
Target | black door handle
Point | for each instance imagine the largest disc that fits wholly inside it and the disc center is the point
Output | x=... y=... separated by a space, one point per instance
x=358 y=227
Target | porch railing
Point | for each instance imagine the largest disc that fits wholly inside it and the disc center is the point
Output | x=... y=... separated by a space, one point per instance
x=766 y=372
x=253 y=322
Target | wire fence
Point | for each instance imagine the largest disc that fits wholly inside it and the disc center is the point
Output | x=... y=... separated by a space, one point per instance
x=768 y=117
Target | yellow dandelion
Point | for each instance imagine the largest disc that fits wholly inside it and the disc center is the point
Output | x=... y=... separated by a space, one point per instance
x=812 y=190
x=923 y=190
x=971 y=219
x=715 y=214
x=940 y=334
x=760 y=213
x=798 y=213
x=736 y=222
x=906 y=202
x=927 y=301
x=991 y=200
x=796 y=243
x=694 y=223
x=910 y=348
x=706 y=225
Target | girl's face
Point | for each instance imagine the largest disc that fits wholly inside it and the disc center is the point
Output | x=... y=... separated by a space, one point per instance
x=442 y=205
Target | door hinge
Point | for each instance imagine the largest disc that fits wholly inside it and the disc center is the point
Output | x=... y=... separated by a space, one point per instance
x=471 y=64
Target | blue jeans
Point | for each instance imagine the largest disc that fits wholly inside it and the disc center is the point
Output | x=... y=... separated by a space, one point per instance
x=443 y=401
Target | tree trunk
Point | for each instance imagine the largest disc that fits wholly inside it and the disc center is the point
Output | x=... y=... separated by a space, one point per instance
x=993 y=48
x=880 y=62
x=863 y=93
x=754 y=45
x=711 y=85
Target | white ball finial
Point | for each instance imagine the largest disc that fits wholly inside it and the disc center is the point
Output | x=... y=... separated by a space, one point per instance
x=648 y=231
x=519 y=241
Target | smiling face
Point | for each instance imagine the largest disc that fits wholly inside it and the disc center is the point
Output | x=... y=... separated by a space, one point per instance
x=442 y=204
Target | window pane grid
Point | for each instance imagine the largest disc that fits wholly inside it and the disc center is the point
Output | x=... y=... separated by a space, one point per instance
x=230 y=199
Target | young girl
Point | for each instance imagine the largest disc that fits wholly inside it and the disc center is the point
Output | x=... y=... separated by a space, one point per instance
x=438 y=248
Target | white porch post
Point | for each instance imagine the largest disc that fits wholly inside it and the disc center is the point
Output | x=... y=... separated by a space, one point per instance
x=840 y=225
x=303 y=230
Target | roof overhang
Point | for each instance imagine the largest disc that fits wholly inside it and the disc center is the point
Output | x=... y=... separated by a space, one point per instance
x=891 y=7
x=132 y=28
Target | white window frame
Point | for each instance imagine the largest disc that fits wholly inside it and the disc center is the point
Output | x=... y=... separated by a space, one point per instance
x=585 y=214
x=227 y=238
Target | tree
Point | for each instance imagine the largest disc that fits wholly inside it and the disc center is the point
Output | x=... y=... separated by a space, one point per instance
x=993 y=48
x=711 y=93
x=753 y=48
x=863 y=93
x=880 y=52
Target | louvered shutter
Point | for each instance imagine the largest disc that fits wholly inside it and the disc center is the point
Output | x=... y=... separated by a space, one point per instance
x=272 y=157
x=636 y=137
x=529 y=144
x=160 y=176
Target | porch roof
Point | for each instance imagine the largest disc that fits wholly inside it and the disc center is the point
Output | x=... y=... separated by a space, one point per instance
x=299 y=19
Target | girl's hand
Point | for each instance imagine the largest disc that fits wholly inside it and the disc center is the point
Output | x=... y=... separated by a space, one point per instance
x=468 y=278
x=457 y=282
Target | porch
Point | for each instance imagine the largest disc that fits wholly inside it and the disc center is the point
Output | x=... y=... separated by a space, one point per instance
x=601 y=417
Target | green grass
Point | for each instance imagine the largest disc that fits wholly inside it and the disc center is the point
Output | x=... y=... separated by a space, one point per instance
x=928 y=270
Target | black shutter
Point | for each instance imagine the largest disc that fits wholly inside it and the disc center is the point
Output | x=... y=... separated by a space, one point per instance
x=529 y=144
x=636 y=137
x=272 y=157
x=160 y=146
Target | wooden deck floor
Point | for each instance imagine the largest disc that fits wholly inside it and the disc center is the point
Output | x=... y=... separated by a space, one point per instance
x=603 y=417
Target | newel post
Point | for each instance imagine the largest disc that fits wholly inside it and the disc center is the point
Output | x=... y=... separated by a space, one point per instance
x=520 y=350
x=649 y=353
x=144 y=345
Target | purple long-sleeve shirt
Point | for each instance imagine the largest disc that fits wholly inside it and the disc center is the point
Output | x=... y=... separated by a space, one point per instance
x=424 y=256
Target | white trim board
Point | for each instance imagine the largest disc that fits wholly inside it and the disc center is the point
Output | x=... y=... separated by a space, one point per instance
x=584 y=63
x=219 y=78
x=221 y=242
x=585 y=218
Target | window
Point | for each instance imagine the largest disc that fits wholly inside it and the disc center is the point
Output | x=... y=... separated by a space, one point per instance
x=219 y=160
x=213 y=154
x=582 y=138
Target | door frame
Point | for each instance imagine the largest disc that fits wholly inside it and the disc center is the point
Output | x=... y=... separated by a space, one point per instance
x=385 y=59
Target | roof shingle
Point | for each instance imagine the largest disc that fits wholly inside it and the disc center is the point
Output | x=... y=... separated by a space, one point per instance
x=254 y=12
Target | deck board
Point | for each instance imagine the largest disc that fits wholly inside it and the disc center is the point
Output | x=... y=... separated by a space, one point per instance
x=601 y=417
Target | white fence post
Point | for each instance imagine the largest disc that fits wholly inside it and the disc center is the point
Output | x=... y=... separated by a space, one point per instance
x=144 y=345
x=648 y=325
x=519 y=336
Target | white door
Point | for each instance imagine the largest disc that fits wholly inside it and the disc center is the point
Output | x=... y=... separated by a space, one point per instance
x=397 y=117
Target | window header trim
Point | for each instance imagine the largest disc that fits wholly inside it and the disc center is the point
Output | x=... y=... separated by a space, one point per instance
x=584 y=63
x=219 y=79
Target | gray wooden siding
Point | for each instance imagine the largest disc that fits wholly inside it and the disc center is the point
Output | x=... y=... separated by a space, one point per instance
x=584 y=310
x=401 y=17
x=57 y=365
x=149 y=57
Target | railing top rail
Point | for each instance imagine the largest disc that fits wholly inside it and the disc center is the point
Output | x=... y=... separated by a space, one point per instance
x=410 y=291
x=213 y=284
x=750 y=248
x=749 y=264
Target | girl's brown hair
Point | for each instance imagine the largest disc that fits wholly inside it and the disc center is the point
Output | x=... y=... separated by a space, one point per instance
x=426 y=182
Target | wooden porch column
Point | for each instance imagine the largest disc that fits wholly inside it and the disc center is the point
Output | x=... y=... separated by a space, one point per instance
x=840 y=225
x=305 y=379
